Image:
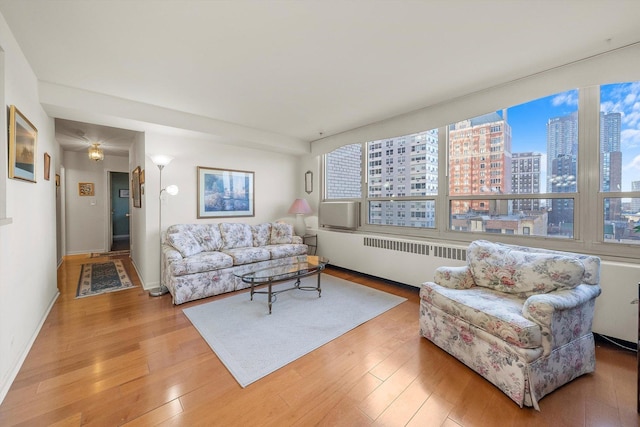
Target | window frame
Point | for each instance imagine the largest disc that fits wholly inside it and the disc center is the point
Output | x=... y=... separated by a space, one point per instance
x=588 y=233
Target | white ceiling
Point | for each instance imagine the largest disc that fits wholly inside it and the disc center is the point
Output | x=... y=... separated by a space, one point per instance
x=307 y=69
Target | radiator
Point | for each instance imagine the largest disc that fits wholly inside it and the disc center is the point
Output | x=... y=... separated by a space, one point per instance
x=339 y=215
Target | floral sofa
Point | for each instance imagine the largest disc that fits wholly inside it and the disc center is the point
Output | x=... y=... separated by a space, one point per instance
x=202 y=260
x=520 y=317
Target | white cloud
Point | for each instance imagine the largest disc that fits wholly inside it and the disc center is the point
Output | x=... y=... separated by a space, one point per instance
x=634 y=165
x=630 y=138
x=567 y=98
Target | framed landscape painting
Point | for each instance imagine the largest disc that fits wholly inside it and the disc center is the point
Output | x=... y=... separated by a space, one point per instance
x=23 y=137
x=225 y=193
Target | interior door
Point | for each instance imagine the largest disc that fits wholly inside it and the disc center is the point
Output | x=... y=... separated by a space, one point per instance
x=119 y=210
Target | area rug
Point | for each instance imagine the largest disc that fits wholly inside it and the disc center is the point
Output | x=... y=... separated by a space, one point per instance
x=252 y=343
x=98 y=278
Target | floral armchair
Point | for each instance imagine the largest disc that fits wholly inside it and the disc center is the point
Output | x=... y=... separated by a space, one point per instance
x=521 y=317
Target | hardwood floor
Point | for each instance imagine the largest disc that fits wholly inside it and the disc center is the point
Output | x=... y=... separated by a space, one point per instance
x=126 y=358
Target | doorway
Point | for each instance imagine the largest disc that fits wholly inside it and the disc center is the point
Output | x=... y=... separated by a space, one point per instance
x=120 y=235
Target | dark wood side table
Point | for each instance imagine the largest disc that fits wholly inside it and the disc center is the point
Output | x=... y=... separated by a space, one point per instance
x=311 y=240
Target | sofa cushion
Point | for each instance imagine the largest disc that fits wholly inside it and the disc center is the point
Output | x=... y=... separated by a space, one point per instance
x=281 y=233
x=236 y=235
x=513 y=271
x=243 y=256
x=261 y=234
x=200 y=263
x=286 y=250
x=185 y=243
x=497 y=313
x=209 y=236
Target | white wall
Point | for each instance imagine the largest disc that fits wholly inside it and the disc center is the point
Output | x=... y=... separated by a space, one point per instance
x=277 y=184
x=87 y=216
x=28 y=285
x=138 y=230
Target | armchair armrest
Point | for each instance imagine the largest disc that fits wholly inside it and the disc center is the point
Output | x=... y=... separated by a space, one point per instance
x=454 y=277
x=562 y=315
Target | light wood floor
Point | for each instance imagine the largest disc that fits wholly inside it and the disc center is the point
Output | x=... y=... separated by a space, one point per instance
x=129 y=359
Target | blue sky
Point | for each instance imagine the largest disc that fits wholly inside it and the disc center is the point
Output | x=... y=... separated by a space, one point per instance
x=528 y=123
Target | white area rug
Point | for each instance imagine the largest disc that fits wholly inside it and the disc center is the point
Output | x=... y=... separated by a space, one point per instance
x=252 y=344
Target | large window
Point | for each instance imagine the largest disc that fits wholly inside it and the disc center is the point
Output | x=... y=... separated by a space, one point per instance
x=343 y=172
x=511 y=157
x=402 y=178
x=541 y=169
x=620 y=161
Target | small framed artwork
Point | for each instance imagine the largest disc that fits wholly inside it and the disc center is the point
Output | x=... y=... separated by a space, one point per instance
x=86 y=189
x=135 y=188
x=123 y=193
x=23 y=137
x=225 y=193
x=47 y=166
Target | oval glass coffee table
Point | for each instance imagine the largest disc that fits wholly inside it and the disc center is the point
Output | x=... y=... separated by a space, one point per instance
x=306 y=265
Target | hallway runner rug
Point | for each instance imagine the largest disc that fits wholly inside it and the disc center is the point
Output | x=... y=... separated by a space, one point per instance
x=99 y=278
x=252 y=343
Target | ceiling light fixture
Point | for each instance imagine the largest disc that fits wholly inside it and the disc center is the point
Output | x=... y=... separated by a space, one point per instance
x=95 y=152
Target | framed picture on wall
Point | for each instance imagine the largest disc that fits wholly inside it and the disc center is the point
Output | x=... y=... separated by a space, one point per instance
x=23 y=137
x=135 y=188
x=86 y=189
x=47 y=166
x=225 y=193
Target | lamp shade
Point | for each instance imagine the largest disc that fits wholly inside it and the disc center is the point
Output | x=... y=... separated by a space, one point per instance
x=161 y=159
x=300 y=206
x=172 y=189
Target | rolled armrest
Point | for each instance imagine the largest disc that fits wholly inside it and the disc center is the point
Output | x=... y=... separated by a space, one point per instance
x=563 y=315
x=454 y=277
x=296 y=239
x=170 y=253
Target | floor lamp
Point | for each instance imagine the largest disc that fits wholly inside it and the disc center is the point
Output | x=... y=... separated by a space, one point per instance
x=161 y=161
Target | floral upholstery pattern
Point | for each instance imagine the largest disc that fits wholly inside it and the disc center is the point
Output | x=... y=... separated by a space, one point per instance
x=236 y=235
x=248 y=255
x=492 y=311
x=281 y=233
x=185 y=243
x=204 y=261
x=198 y=262
x=519 y=272
x=527 y=346
x=261 y=234
x=284 y=251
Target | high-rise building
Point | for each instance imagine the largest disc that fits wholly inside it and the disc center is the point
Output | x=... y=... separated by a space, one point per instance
x=525 y=179
x=635 y=202
x=562 y=140
x=343 y=166
x=403 y=166
x=562 y=157
x=479 y=161
x=611 y=163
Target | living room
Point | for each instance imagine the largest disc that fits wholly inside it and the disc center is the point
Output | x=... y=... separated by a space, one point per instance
x=30 y=244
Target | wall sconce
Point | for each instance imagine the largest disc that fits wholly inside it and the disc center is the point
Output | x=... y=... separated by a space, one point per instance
x=308 y=182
